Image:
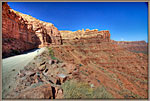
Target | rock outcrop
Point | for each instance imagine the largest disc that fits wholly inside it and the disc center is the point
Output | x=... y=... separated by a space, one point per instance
x=40 y=92
x=22 y=32
x=87 y=34
x=95 y=36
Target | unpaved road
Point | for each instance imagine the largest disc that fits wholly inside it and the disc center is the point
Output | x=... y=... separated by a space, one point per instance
x=12 y=65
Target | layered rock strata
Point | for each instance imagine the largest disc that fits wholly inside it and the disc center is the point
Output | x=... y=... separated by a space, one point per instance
x=95 y=36
x=87 y=34
x=22 y=32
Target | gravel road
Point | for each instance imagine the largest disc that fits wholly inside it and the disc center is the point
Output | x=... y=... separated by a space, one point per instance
x=12 y=65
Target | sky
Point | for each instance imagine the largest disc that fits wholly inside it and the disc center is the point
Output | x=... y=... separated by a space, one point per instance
x=126 y=21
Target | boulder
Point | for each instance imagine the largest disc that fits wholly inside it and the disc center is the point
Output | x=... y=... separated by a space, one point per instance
x=62 y=78
x=42 y=67
x=30 y=73
x=51 y=62
x=70 y=68
x=40 y=92
x=37 y=79
x=59 y=94
x=56 y=61
x=21 y=74
x=42 y=63
x=63 y=65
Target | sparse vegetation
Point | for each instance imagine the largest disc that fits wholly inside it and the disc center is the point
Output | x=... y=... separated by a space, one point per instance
x=84 y=73
x=51 y=53
x=80 y=65
x=50 y=50
x=76 y=90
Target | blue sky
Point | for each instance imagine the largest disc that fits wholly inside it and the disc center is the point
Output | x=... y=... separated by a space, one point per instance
x=126 y=21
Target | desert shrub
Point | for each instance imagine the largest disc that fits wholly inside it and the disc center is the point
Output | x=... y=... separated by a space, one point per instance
x=80 y=65
x=101 y=92
x=84 y=73
x=77 y=90
x=72 y=89
x=54 y=58
x=51 y=53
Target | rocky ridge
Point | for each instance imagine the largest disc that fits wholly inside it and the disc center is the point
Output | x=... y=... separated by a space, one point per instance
x=87 y=34
x=134 y=46
x=94 y=35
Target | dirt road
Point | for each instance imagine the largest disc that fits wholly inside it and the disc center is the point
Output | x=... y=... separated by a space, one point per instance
x=11 y=67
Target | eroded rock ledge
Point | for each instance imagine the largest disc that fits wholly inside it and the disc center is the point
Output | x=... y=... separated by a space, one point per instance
x=86 y=34
x=22 y=32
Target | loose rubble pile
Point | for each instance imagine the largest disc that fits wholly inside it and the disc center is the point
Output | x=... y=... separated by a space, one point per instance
x=42 y=78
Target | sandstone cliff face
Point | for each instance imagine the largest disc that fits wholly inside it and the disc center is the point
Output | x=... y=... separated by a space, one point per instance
x=46 y=32
x=87 y=34
x=22 y=32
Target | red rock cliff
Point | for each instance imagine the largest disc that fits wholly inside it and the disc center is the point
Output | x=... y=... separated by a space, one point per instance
x=91 y=35
x=22 y=32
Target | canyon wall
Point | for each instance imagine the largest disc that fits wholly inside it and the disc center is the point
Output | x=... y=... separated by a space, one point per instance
x=91 y=35
x=95 y=36
x=21 y=32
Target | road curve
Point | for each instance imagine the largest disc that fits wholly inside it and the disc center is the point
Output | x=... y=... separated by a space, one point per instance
x=12 y=65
